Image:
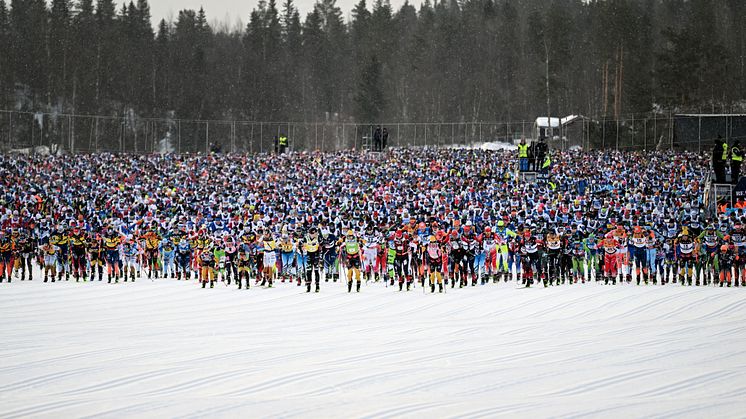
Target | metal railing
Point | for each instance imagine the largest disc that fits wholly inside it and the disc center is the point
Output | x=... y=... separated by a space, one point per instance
x=90 y=133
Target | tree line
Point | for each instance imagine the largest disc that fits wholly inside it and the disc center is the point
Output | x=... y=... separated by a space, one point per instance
x=449 y=60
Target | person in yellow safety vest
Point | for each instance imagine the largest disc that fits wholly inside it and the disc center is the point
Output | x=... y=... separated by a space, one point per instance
x=546 y=164
x=736 y=158
x=283 y=142
x=725 y=151
x=523 y=155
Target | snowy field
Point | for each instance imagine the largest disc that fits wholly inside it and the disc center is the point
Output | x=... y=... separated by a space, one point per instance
x=171 y=349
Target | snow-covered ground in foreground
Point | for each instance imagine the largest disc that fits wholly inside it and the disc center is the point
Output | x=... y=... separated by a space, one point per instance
x=171 y=349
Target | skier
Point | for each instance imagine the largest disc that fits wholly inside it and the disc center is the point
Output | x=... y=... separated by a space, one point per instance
x=490 y=250
x=330 y=248
x=78 y=244
x=434 y=263
x=243 y=263
x=401 y=261
x=207 y=266
x=723 y=262
x=112 y=241
x=639 y=253
x=371 y=247
x=183 y=259
x=351 y=251
x=96 y=257
x=311 y=249
x=62 y=241
x=611 y=258
x=553 y=255
x=504 y=236
x=130 y=255
x=25 y=249
x=50 y=253
x=152 y=243
x=168 y=256
x=685 y=256
x=269 y=258
x=709 y=245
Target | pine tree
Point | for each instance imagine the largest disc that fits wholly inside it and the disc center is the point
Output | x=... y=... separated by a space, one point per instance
x=107 y=49
x=59 y=61
x=28 y=52
x=84 y=58
x=5 y=68
x=162 y=63
x=369 y=98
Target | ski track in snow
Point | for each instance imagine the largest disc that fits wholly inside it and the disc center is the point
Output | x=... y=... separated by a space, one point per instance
x=168 y=348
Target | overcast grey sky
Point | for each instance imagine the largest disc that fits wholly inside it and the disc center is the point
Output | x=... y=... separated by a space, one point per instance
x=232 y=10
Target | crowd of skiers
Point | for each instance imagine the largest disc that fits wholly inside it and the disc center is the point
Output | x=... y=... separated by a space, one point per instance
x=440 y=218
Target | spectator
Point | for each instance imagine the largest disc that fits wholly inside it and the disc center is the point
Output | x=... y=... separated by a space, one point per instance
x=283 y=143
x=523 y=155
x=540 y=152
x=736 y=158
x=719 y=156
x=385 y=138
x=377 y=139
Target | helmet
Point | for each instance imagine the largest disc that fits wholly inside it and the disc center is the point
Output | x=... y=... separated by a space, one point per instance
x=350 y=233
x=724 y=248
x=432 y=239
x=488 y=230
x=501 y=223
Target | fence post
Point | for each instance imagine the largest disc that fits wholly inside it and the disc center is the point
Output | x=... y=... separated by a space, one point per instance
x=397 y=134
x=178 y=147
x=603 y=135
x=699 y=136
x=69 y=137
x=617 y=134
x=453 y=134
x=670 y=129
x=96 y=137
x=251 y=139
x=10 y=131
x=32 y=135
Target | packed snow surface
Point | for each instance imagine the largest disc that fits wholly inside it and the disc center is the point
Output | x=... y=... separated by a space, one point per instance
x=172 y=349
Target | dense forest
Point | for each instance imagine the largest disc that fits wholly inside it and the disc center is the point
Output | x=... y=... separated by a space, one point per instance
x=452 y=60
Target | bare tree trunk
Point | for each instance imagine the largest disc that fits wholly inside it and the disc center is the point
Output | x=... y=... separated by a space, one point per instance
x=549 y=108
x=606 y=87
